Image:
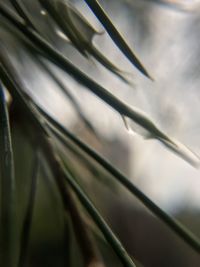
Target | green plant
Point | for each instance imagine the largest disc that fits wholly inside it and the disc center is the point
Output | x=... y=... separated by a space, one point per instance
x=47 y=135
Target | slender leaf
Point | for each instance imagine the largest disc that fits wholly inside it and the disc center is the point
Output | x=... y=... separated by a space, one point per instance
x=136 y=115
x=67 y=93
x=25 y=235
x=22 y=11
x=8 y=232
x=13 y=84
x=11 y=81
x=115 y=35
x=96 y=172
x=73 y=174
x=90 y=253
x=174 y=225
x=109 y=235
x=79 y=31
x=61 y=172
x=71 y=22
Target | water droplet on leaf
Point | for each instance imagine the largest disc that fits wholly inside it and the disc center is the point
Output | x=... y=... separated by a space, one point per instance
x=43 y=12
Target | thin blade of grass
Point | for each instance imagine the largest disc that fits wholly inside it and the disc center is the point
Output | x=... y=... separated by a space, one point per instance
x=179 y=229
x=173 y=224
x=98 y=219
x=64 y=23
x=39 y=126
x=57 y=205
x=72 y=172
x=15 y=86
x=22 y=12
x=70 y=150
x=67 y=93
x=42 y=133
x=61 y=173
x=115 y=35
x=64 y=15
x=134 y=114
x=8 y=222
x=26 y=229
x=103 y=60
x=86 y=243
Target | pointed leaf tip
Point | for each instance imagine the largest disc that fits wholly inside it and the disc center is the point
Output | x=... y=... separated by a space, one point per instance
x=116 y=36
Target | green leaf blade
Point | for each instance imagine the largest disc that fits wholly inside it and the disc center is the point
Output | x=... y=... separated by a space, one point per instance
x=8 y=218
x=125 y=110
x=98 y=219
x=174 y=225
x=26 y=229
x=116 y=36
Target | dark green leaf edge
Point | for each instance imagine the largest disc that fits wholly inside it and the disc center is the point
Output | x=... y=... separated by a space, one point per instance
x=180 y=230
x=8 y=234
x=77 y=38
x=116 y=36
x=95 y=215
x=136 y=115
x=15 y=86
x=173 y=224
x=22 y=12
x=69 y=96
x=91 y=49
x=27 y=222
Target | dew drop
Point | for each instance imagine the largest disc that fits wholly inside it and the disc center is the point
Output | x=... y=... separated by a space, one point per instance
x=135 y=129
x=127 y=126
x=43 y=12
x=176 y=147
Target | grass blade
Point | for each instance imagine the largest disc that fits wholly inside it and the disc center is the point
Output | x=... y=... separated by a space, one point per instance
x=136 y=115
x=61 y=173
x=8 y=219
x=12 y=82
x=107 y=232
x=25 y=235
x=86 y=243
x=67 y=93
x=80 y=34
x=22 y=12
x=103 y=60
x=115 y=35
x=55 y=162
x=174 y=225
x=64 y=23
x=74 y=219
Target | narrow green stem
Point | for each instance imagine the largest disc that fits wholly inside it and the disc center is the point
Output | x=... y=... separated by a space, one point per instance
x=173 y=224
x=8 y=235
x=22 y=12
x=56 y=57
x=26 y=229
x=61 y=173
x=13 y=82
x=115 y=35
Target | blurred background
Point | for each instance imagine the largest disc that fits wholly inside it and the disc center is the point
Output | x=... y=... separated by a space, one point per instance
x=166 y=37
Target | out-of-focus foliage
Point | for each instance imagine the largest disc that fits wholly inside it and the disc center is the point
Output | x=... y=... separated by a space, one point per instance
x=46 y=207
